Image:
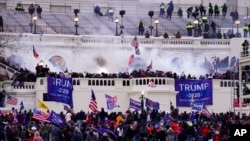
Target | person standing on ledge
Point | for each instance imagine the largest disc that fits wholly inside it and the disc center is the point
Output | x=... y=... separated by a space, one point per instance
x=141 y=28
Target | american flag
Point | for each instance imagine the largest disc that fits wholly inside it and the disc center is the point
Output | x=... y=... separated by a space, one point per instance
x=41 y=116
x=131 y=59
x=93 y=103
x=205 y=112
x=11 y=100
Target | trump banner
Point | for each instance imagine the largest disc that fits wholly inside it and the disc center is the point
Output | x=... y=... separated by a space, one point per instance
x=191 y=91
x=134 y=104
x=60 y=90
x=56 y=119
x=152 y=104
x=111 y=102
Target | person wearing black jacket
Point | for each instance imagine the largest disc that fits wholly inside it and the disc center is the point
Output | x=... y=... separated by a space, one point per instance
x=202 y=10
x=213 y=26
x=249 y=28
x=161 y=134
x=189 y=130
x=39 y=11
x=189 y=11
x=224 y=10
x=182 y=136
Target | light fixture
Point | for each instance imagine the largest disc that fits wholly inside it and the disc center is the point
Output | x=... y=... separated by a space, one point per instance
x=116 y=26
x=76 y=19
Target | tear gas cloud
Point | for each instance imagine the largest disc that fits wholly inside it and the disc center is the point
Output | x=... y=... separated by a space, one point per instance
x=114 y=60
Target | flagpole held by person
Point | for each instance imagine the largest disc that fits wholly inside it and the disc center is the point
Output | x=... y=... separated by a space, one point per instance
x=144 y=94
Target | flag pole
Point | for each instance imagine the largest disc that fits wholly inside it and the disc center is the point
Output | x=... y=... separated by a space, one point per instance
x=191 y=102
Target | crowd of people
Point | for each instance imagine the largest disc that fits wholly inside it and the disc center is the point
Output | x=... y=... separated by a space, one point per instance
x=145 y=125
x=148 y=125
x=24 y=75
x=205 y=25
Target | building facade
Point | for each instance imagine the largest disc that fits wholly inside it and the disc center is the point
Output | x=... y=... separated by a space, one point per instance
x=97 y=54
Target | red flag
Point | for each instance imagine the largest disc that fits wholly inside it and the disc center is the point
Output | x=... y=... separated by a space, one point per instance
x=131 y=59
x=36 y=55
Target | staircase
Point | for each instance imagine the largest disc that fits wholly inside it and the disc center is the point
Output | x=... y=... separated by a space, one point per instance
x=45 y=27
x=6 y=69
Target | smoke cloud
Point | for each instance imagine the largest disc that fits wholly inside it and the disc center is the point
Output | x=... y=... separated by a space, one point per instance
x=114 y=60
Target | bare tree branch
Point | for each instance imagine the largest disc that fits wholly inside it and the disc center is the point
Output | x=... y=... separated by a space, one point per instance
x=7 y=40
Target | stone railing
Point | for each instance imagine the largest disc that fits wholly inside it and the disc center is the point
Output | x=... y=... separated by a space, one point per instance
x=139 y=6
x=161 y=83
x=59 y=39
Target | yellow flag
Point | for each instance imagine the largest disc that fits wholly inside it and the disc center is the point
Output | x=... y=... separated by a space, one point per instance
x=42 y=105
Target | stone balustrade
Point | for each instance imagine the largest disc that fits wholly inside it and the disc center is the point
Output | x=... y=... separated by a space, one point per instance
x=90 y=39
x=113 y=82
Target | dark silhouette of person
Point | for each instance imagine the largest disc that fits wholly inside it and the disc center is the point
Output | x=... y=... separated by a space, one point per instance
x=189 y=11
x=39 y=11
x=216 y=10
x=170 y=9
x=98 y=10
x=234 y=15
x=178 y=35
x=219 y=35
x=202 y=10
x=2 y=96
x=165 y=35
x=224 y=10
x=213 y=26
x=210 y=10
x=141 y=28
x=245 y=46
x=180 y=13
x=1 y=23
x=147 y=35
x=31 y=9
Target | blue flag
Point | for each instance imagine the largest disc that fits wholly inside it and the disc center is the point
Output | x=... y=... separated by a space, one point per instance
x=111 y=102
x=107 y=131
x=15 y=116
x=134 y=104
x=56 y=119
x=60 y=90
x=152 y=104
x=197 y=106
